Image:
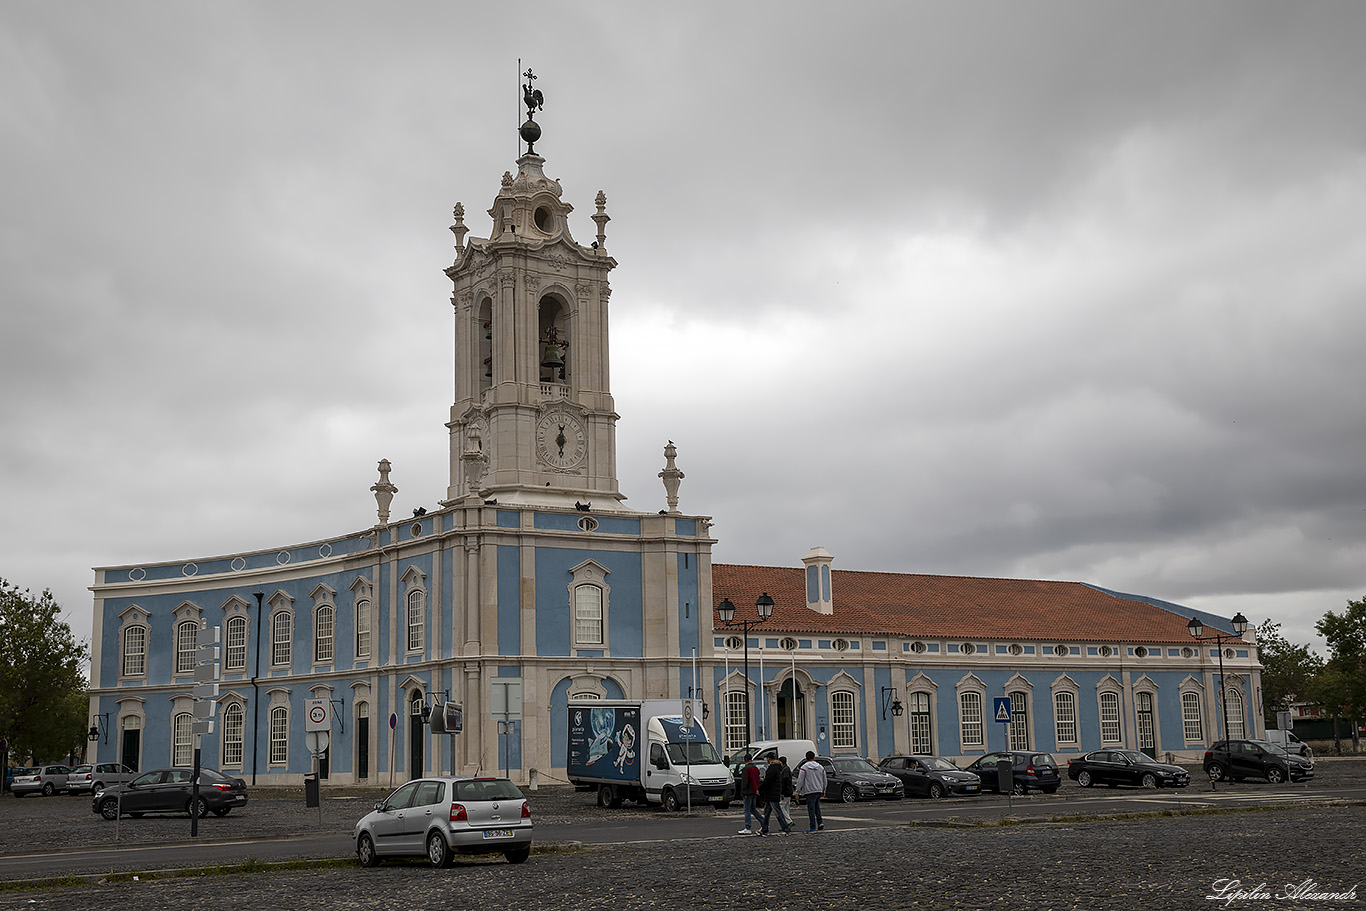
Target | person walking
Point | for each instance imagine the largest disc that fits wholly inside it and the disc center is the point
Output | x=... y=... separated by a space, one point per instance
x=750 y=779
x=811 y=783
x=772 y=792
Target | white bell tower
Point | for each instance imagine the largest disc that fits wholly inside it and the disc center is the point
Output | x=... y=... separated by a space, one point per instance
x=533 y=420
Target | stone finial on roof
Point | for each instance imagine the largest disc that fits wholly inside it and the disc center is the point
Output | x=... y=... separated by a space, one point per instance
x=384 y=491
x=671 y=476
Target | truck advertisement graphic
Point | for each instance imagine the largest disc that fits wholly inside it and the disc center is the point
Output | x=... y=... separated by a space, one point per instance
x=603 y=742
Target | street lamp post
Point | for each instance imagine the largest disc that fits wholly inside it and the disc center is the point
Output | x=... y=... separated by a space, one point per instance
x=764 y=605
x=889 y=696
x=1239 y=627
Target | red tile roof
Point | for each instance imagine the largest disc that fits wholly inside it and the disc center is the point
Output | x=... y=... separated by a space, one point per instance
x=945 y=607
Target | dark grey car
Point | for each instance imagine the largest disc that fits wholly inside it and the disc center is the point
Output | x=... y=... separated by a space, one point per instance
x=172 y=791
x=438 y=817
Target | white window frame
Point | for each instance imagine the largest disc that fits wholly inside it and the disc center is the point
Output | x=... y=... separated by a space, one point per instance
x=279 y=735
x=363 y=629
x=920 y=711
x=1237 y=722
x=186 y=646
x=182 y=739
x=1192 y=717
x=135 y=659
x=415 y=617
x=1065 y=717
x=590 y=619
x=843 y=720
x=736 y=732
x=235 y=644
x=234 y=728
x=1111 y=731
x=281 y=638
x=324 y=633
x=1018 y=734
x=971 y=720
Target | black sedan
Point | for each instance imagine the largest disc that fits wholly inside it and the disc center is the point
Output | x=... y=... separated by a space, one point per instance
x=1116 y=767
x=931 y=776
x=853 y=778
x=172 y=791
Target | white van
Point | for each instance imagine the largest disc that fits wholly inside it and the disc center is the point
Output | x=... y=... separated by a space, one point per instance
x=1289 y=742
x=760 y=750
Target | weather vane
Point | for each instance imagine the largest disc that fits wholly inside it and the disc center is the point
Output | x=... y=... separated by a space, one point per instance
x=533 y=99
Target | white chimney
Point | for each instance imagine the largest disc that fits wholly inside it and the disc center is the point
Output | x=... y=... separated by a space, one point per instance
x=818 y=594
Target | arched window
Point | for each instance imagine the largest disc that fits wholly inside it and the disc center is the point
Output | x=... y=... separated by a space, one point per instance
x=737 y=731
x=322 y=633
x=1192 y=719
x=417 y=622
x=970 y=719
x=279 y=735
x=1019 y=720
x=186 y=646
x=235 y=645
x=135 y=651
x=363 y=628
x=588 y=615
x=842 y=721
x=922 y=735
x=232 y=735
x=281 y=639
x=1109 y=718
x=1236 y=728
x=1065 y=717
x=182 y=739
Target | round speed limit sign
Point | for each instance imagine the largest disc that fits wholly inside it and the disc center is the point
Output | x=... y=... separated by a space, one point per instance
x=317 y=714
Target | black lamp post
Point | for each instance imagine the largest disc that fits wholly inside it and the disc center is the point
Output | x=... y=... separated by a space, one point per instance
x=764 y=605
x=1239 y=627
x=889 y=692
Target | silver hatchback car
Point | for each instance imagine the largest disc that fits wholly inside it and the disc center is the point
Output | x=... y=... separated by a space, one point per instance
x=438 y=817
x=44 y=779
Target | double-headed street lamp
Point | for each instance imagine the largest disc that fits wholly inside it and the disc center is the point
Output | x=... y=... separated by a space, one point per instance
x=764 y=605
x=1239 y=627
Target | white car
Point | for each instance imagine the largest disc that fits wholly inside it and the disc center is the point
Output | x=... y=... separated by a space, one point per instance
x=438 y=817
x=44 y=779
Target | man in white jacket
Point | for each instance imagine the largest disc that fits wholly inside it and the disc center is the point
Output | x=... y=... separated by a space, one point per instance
x=811 y=783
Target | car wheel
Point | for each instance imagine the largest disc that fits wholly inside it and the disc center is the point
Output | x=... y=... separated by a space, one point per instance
x=1275 y=775
x=725 y=804
x=1084 y=779
x=1215 y=770
x=1149 y=780
x=609 y=796
x=222 y=811
x=16 y=794
x=365 y=850
x=97 y=790
x=1053 y=790
x=1020 y=789
x=936 y=790
x=109 y=809
x=848 y=794
x=670 y=799
x=517 y=855
x=438 y=852
x=198 y=808
x=48 y=789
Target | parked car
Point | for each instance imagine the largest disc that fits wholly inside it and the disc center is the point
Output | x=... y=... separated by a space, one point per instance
x=172 y=791
x=95 y=777
x=1287 y=741
x=1032 y=771
x=851 y=778
x=12 y=771
x=44 y=779
x=438 y=817
x=931 y=776
x=1131 y=767
x=1239 y=759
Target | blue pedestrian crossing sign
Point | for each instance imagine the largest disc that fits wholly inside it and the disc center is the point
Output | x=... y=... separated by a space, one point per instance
x=1001 y=706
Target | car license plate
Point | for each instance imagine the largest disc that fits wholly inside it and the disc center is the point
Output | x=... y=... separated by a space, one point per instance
x=497 y=833
x=716 y=799
x=970 y=788
x=885 y=790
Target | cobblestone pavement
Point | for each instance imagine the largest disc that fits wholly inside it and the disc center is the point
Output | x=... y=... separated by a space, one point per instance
x=1160 y=863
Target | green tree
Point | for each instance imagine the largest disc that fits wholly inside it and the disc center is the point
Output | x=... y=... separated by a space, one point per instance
x=1342 y=686
x=1288 y=670
x=42 y=677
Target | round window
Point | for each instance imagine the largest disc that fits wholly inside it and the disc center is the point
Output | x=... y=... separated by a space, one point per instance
x=1188 y=652
x=1140 y=652
x=1016 y=648
x=841 y=645
x=1106 y=651
x=1061 y=651
x=788 y=643
x=968 y=648
x=543 y=218
x=735 y=642
x=918 y=648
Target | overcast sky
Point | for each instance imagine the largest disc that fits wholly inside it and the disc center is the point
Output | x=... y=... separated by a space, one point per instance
x=1069 y=291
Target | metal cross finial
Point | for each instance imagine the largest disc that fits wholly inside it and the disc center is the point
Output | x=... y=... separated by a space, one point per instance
x=531 y=97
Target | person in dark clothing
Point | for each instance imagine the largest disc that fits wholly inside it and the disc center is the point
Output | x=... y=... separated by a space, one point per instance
x=772 y=792
x=750 y=781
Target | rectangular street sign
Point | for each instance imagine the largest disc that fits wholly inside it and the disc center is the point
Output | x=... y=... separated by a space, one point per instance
x=205 y=673
x=207 y=635
x=205 y=708
x=1000 y=707
x=317 y=715
x=208 y=653
x=202 y=727
x=205 y=691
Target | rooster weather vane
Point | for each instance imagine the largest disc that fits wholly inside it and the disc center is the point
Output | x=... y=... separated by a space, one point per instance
x=533 y=99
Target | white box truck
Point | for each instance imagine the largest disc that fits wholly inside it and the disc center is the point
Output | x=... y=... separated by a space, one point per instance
x=639 y=750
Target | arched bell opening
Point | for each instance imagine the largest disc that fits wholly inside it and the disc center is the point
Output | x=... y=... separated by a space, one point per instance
x=484 y=334
x=553 y=333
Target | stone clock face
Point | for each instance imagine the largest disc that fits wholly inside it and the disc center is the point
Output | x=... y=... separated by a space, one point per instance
x=560 y=440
